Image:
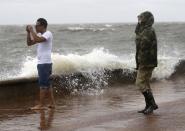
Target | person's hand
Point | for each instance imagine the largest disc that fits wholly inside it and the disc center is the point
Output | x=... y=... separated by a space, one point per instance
x=29 y=28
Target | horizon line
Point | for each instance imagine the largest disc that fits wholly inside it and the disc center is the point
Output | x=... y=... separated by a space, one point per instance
x=76 y=23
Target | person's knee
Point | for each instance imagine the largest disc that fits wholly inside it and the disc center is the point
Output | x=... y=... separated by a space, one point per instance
x=137 y=83
x=138 y=86
x=145 y=87
x=44 y=87
x=141 y=85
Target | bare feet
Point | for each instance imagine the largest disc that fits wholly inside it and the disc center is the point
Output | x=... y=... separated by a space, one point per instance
x=37 y=107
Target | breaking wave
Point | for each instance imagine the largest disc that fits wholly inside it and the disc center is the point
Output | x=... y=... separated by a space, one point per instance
x=93 y=29
x=98 y=69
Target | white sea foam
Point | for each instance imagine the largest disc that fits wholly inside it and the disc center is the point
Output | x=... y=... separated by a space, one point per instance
x=92 y=65
x=65 y=64
x=108 y=25
x=166 y=67
x=87 y=29
x=76 y=28
x=96 y=61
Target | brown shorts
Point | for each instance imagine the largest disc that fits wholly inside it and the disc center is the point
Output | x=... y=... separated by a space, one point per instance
x=143 y=78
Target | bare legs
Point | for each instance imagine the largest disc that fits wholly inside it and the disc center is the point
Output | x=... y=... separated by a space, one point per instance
x=45 y=93
x=51 y=98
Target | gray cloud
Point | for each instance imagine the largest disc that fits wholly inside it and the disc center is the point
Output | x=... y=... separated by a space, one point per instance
x=82 y=11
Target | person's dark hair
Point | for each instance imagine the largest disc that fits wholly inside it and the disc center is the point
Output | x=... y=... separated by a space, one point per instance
x=42 y=22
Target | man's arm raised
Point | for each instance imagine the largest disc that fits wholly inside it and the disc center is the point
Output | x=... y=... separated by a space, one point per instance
x=32 y=37
x=36 y=38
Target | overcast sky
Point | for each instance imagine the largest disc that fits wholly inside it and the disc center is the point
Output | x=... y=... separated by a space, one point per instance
x=88 y=11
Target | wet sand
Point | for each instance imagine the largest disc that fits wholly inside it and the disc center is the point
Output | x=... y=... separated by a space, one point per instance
x=114 y=110
x=170 y=117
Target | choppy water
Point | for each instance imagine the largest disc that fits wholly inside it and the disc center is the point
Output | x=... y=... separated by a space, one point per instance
x=89 y=47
